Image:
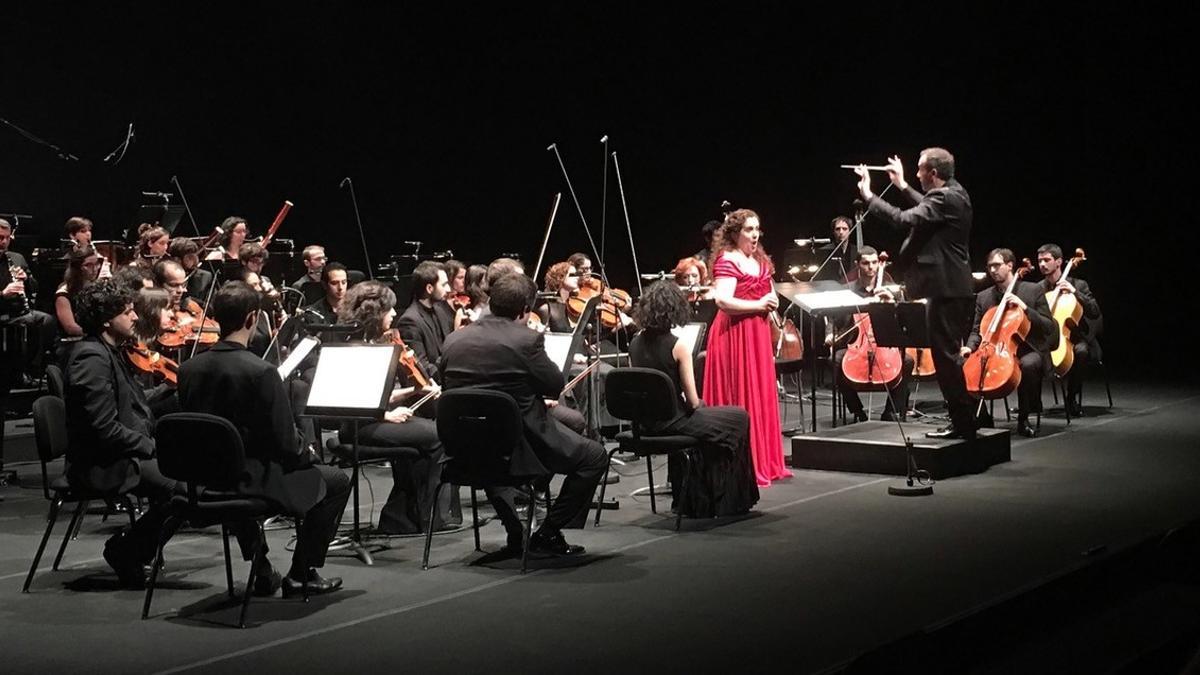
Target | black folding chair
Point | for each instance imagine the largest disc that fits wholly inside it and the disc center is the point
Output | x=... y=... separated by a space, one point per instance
x=205 y=451
x=480 y=430
x=50 y=435
x=646 y=397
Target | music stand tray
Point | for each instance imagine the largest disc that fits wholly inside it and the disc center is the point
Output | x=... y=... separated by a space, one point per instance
x=901 y=324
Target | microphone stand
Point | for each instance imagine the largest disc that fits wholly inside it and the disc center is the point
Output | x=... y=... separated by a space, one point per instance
x=546 y=239
x=628 y=228
x=604 y=202
x=182 y=198
x=358 y=220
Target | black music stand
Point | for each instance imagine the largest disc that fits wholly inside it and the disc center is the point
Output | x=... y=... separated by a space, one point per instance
x=353 y=382
x=903 y=325
x=166 y=216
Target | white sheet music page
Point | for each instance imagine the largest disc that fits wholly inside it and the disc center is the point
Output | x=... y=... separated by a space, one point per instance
x=351 y=377
x=688 y=333
x=556 y=346
x=297 y=355
x=830 y=299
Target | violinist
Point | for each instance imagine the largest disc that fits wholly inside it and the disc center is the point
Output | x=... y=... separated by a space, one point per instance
x=428 y=319
x=475 y=289
x=153 y=308
x=187 y=252
x=152 y=245
x=233 y=235
x=1033 y=352
x=188 y=320
x=1084 y=336
x=935 y=253
x=562 y=279
x=373 y=306
x=79 y=232
x=619 y=300
x=457 y=298
x=83 y=268
x=863 y=285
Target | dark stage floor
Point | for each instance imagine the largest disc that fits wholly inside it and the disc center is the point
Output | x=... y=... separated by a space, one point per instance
x=828 y=568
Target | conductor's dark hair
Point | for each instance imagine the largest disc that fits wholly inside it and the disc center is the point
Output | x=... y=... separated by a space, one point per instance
x=100 y=302
x=662 y=307
x=511 y=295
x=426 y=274
x=940 y=160
x=1054 y=250
x=233 y=303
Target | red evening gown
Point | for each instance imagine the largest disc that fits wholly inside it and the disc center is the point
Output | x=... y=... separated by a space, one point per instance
x=740 y=370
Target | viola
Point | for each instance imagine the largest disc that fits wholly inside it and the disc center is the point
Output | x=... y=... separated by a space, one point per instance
x=867 y=366
x=608 y=314
x=188 y=323
x=146 y=360
x=1067 y=314
x=408 y=360
x=992 y=370
x=785 y=339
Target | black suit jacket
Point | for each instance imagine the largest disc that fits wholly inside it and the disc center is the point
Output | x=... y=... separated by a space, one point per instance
x=934 y=254
x=14 y=306
x=109 y=424
x=1043 y=332
x=424 y=330
x=198 y=285
x=1089 y=326
x=501 y=354
x=230 y=382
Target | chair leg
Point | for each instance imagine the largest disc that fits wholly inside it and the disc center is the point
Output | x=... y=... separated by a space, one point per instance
x=228 y=560
x=77 y=523
x=255 y=561
x=71 y=530
x=1065 y=397
x=429 y=530
x=475 y=518
x=1107 y=387
x=1007 y=411
x=687 y=469
x=37 y=557
x=1054 y=391
x=650 y=475
x=528 y=529
x=158 y=563
x=603 y=485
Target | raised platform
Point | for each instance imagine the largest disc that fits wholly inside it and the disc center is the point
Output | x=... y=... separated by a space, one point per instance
x=877 y=447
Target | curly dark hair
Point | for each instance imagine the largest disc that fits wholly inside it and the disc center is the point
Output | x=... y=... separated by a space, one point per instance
x=662 y=307
x=367 y=303
x=100 y=302
x=729 y=235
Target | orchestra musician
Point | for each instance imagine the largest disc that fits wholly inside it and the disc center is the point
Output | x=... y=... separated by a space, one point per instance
x=230 y=382
x=264 y=329
x=562 y=279
x=314 y=259
x=18 y=290
x=1034 y=351
x=935 y=253
x=710 y=234
x=414 y=480
x=456 y=275
x=721 y=482
x=842 y=265
x=427 y=321
x=499 y=352
x=83 y=268
x=863 y=285
x=233 y=234
x=1084 y=336
x=79 y=232
x=153 y=309
x=495 y=269
x=152 y=245
x=109 y=426
x=187 y=252
x=334 y=282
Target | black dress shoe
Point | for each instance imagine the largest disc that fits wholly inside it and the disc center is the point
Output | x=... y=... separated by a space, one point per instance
x=314 y=585
x=267 y=581
x=1024 y=429
x=553 y=544
x=120 y=556
x=950 y=432
x=859 y=416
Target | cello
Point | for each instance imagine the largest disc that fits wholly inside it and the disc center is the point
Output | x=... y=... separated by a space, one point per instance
x=785 y=339
x=1067 y=314
x=866 y=366
x=992 y=370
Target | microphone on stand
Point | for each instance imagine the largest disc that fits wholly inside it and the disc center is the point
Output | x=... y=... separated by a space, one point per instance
x=344 y=182
x=551 y=147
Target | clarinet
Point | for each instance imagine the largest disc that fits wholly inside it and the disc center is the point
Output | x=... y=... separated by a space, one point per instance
x=18 y=274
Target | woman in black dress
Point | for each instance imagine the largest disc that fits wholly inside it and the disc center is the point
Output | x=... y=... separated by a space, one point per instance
x=721 y=476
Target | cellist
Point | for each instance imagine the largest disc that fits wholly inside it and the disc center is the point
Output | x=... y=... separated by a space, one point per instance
x=1083 y=336
x=1033 y=352
x=868 y=264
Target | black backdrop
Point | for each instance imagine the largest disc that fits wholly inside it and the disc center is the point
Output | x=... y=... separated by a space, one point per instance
x=1064 y=125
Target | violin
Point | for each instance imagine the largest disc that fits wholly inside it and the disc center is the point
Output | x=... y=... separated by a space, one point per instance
x=408 y=360
x=145 y=360
x=189 y=323
x=866 y=366
x=696 y=293
x=785 y=339
x=612 y=302
x=992 y=370
x=1067 y=314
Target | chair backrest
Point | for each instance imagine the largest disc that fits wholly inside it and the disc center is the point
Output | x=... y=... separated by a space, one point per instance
x=644 y=396
x=200 y=449
x=54 y=380
x=479 y=427
x=49 y=433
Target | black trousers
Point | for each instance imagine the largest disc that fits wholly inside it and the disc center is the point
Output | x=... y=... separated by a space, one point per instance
x=1029 y=392
x=157 y=489
x=1079 y=369
x=42 y=329
x=898 y=397
x=583 y=464
x=414 y=479
x=949 y=324
x=319 y=526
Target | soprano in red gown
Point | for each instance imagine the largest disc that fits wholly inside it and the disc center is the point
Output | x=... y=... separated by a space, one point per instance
x=740 y=368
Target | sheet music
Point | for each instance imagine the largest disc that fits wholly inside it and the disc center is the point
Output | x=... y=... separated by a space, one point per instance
x=297 y=355
x=829 y=300
x=351 y=377
x=689 y=333
x=558 y=347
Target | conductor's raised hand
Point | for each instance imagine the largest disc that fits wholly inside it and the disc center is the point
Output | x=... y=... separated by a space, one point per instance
x=895 y=169
x=864 y=182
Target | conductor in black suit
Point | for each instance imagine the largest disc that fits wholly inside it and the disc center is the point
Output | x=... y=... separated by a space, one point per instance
x=230 y=382
x=936 y=257
x=501 y=352
x=428 y=319
x=1034 y=351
